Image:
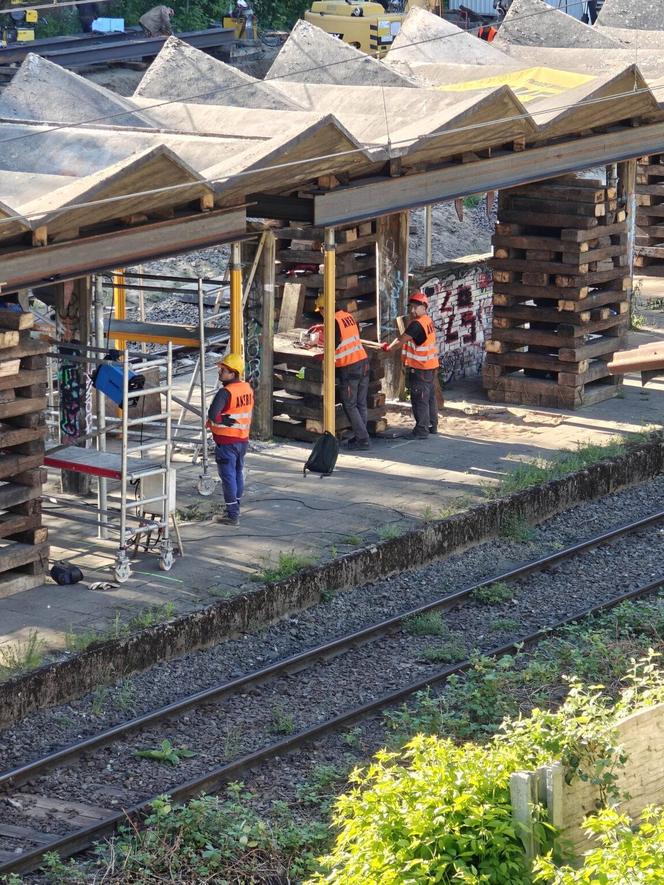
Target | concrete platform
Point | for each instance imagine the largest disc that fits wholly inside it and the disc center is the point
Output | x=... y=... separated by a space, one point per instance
x=370 y=496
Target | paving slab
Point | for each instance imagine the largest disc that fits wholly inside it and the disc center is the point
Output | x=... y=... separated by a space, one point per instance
x=638 y=14
x=426 y=38
x=182 y=72
x=310 y=55
x=396 y=485
x=535 y=23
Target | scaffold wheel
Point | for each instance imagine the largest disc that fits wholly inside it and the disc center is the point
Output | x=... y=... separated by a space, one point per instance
x=122 y=569
x=167 y=557
x=206 y=485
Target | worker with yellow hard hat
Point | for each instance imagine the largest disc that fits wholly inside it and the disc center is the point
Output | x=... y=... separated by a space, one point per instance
x=229 y=420
x=352 y=367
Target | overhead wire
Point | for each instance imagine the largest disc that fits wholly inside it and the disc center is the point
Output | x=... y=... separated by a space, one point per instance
x=236 y=88
x=336 y=154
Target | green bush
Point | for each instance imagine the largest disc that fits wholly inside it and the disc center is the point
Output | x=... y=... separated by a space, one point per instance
x=624 y=856
x=435 y=812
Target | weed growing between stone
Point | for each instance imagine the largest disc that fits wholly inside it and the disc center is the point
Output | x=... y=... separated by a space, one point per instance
x=494 y=594
x=148 y=617
x=18 y=657
x=287 y=564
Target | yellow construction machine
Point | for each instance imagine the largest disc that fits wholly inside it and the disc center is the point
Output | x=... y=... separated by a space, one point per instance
x=364 y=24
x=18 y=25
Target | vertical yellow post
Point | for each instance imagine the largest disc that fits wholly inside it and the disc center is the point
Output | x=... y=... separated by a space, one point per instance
x=236 y=299
x=119 y=301
x=329 y=287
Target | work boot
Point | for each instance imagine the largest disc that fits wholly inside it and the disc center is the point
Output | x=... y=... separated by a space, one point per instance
x=420 y=434
x=225 y=519
x=433 y=429
x=359 y=445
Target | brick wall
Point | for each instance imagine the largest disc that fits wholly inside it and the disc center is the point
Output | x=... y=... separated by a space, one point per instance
x=460 y=294
x=641 y=778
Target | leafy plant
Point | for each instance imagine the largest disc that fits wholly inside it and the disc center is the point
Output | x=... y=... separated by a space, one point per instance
x=515 y=528
x=18 y=657
x=352 y=540
x=494 y=594
x=166 y=753
x=389 y=531
x=426 y=624
x=505 y=625
x=625 y=855
x=282 y=721
x=286 y=565
x=148 y=617
x=453 y=650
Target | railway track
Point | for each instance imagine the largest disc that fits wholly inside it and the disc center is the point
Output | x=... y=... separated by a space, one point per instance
x=49 y=799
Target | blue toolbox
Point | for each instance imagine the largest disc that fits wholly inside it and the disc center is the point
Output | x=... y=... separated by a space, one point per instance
x=108 y=380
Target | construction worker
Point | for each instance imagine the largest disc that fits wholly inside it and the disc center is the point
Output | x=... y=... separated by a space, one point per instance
x=229 y=419
x=156 y=22
x=352 y=367
x=420 y=356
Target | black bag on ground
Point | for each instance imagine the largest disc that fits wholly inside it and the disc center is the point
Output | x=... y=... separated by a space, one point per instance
x=324 y=454
x=63 y=573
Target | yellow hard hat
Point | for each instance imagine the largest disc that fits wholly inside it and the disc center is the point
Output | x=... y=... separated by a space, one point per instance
x=234 y=362
x=320 y=303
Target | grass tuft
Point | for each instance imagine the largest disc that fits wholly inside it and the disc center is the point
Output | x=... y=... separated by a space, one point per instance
x=287 y=564
x=427 y=624
x=18 y=657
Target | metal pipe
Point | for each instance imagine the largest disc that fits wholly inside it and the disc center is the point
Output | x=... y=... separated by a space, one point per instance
x=168 y=449
x=123 y=454
x=102 y=483
x=428 y=235
x=119 y=301
x=201 y=368
x=329 y=284
x=236 y=299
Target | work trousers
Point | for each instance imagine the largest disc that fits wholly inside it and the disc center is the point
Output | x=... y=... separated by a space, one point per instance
x=423 y=400
x=230 y=463
x=354 y=387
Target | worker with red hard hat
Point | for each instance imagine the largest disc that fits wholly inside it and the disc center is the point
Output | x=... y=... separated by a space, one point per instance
x=229 y=419
x=420 y=357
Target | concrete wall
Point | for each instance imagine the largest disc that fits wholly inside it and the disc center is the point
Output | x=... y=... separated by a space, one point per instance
x=460 y=302
x=641 y=778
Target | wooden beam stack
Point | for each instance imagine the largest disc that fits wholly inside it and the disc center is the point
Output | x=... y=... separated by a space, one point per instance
x=561 y=294
x=649 y=243
x=23 y=539
x=298 y=378
x=298 y=392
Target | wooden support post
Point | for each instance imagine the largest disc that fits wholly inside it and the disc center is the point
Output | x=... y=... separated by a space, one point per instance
x=258 y=344
x=329 y=298
x=627 y=199
x=392 y=288
x=236 y=299
x=72 y=316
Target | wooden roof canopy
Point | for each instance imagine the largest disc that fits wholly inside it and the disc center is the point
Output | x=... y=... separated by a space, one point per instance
x=90 y=180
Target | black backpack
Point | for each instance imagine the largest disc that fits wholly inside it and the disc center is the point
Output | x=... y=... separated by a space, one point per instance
x=323 y=456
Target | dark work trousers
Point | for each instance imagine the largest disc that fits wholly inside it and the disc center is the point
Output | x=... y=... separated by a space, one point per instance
x=354 y=386
x=230 y=461
x=423 y=399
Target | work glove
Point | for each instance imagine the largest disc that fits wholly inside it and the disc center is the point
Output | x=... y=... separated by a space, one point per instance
x=227 y=421
x=385 y=346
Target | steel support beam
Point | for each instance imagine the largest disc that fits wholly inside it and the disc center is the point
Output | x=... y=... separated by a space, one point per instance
x=329 y=293
x=383 y=196
x=236 y=299
x=40 y=265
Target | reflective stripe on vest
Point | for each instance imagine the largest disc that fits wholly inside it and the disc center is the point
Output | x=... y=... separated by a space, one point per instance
x=240 y=407
x=350 y=348
x=425 y=355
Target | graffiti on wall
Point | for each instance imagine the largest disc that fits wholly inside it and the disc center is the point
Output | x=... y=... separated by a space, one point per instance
x=253 y=347
x=460 y=304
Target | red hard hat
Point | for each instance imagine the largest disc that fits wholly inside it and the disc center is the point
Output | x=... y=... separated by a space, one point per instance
x=419 y=298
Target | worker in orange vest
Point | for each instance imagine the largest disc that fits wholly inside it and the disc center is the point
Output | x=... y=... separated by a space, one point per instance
x=420 y=357
x=229 y=419
x=352 y=368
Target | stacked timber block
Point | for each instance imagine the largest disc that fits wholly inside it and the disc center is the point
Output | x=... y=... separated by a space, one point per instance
x=298 y=392
x=23 y=539
x=649 y=243
x=561 y=294
x=299 y=277
x=298 y=378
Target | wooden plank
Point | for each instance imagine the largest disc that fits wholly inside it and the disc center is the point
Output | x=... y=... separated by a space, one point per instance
x=603 y=347
x=530 y=241
x=9 y=339
x=650 y=251
x=559 y=190
x=358 y=245
x=14 y=319
x=11 y=494
x=533 y=267
x=14 y=582
x=544 y=219
x=655 y=190
x=25 y=378
x=14 y=555
x=292 y=304
x=12 y=464
x=567 y=280
x=526 y=313
x=10 y=436
x=13 y=523
x=527 y=360
x=556 y=207
x=572 y=234
x=301 y=256
x=22 y=407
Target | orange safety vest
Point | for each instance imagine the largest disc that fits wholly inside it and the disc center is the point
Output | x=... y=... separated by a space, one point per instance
x=239 y=408
x=488 y=33
x=350 y=348
x=422 y=356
